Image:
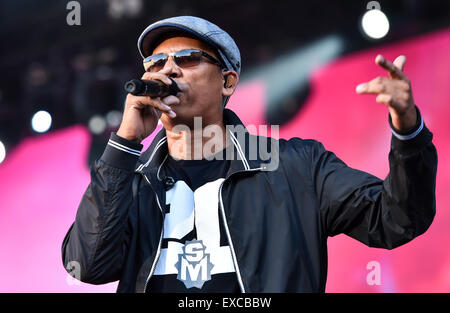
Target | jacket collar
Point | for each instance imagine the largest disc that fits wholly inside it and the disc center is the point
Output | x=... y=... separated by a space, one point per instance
x=245 y=155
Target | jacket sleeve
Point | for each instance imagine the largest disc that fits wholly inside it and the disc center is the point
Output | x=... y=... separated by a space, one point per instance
x=384 y=214
x=95 y=245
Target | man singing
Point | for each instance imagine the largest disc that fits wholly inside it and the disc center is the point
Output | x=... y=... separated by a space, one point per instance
x=200 y=211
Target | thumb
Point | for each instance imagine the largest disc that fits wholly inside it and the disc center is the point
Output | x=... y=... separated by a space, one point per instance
x=400 y=62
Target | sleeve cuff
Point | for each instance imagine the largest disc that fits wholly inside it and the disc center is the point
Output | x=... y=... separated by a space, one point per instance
x=412 y=139
x=121 y=153
x=409 y=133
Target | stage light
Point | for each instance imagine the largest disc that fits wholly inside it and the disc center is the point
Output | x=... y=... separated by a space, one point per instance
x=97 y=124
x=113 y=118
x=2 y=152
x=375 y=24
x=41 y=121
x=124 y=8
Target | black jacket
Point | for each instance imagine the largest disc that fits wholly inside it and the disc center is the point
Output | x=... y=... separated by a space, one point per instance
x=277 y=218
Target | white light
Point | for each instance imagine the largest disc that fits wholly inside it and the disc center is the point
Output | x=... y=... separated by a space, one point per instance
x=41 y=121
x=97 y=124
x=119 y=8
x=114 y=118
x=2 y=152
x=375 y=24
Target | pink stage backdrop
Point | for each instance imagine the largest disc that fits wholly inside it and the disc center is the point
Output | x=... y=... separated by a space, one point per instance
x=43 y=179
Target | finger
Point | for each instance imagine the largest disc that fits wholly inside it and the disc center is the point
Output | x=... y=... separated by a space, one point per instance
x=143 y=101
x=400 y=61
x=157 y=76
x=393 y=70
x=170 y=100
x=387 y=89
x=401 y=84
x=391 y=101
x=381 y=80
x=165 y=108
x=384 y=98
x=151 y=111
x=374 y=88
x=157 y=112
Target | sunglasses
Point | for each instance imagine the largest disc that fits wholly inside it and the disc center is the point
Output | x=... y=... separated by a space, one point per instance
x=183 y=58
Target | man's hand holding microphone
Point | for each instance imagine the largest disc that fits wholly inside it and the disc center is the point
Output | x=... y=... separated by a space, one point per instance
x=144 y=108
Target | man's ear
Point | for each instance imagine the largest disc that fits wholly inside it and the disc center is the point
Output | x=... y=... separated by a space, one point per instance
x=230 y=79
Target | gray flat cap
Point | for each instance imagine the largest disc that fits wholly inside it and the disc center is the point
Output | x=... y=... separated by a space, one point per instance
x=201 y=28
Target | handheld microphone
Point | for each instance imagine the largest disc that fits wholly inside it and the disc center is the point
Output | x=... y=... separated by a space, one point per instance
x=151 y=88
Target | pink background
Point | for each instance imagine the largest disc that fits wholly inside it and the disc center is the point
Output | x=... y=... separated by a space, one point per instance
x=43 y=179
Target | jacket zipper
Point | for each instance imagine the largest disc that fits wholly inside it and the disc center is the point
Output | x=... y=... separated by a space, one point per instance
x=227 y=230
x=158 y=251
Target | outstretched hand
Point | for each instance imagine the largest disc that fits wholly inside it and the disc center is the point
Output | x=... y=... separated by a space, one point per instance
x=394 y=91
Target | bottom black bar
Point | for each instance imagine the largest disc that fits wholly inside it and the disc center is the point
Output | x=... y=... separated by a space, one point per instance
x=220 y=302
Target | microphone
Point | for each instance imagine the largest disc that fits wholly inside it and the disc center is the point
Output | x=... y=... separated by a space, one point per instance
x=151 y=88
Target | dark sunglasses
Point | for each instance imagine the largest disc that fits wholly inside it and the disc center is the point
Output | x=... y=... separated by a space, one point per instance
x=183 y=58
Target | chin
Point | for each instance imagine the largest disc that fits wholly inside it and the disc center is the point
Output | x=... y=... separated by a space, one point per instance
x=180 y=119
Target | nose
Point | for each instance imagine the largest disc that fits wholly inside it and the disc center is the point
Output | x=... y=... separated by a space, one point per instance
x=171 y=69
